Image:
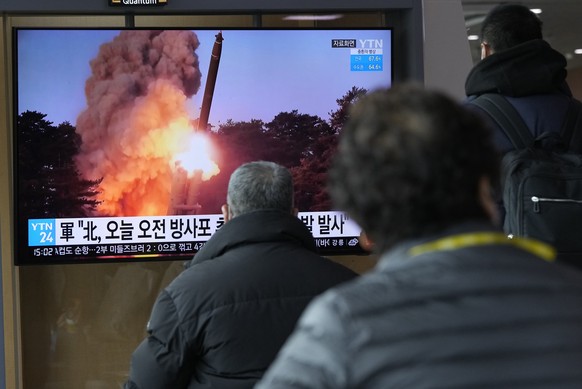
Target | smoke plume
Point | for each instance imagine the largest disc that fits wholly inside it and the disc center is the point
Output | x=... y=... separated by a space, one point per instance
x=136 y=118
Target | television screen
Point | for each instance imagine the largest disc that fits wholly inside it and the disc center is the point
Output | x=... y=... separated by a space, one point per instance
x=125 y=139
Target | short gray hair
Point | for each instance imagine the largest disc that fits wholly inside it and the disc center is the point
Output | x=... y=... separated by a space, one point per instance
x=259 y=185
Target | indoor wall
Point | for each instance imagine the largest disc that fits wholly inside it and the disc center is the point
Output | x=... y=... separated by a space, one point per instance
x=575 y=82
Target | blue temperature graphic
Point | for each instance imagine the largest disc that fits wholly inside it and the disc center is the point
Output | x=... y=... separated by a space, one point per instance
x=366 y=63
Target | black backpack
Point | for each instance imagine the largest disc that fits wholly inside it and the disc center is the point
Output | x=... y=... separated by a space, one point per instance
x=541 y=178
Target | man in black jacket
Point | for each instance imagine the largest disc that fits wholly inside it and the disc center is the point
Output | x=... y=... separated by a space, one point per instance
x=518 y=64
x=518 y=67
x=221 y=322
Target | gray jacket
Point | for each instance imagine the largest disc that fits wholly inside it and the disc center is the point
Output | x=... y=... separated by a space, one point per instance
x=480 y=315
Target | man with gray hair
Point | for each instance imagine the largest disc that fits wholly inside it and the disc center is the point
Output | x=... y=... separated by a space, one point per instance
x=221 y=322
x=257 y=186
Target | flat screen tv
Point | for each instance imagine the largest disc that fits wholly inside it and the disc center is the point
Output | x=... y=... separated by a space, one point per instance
x=125 y=138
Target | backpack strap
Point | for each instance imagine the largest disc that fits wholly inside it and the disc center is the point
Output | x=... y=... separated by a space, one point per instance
x=506 y=117
x=572 y=127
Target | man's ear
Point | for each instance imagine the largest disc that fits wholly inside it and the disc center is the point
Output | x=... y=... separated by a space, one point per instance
x=365 y=242
x=487 y=201
x=486 y=50
x=224 y=210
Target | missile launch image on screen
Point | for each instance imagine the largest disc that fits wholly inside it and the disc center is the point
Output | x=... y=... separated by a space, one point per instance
x=186 y=177
x=164 y=116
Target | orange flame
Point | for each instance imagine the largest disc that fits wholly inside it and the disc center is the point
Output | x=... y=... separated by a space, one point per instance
x=198 y=157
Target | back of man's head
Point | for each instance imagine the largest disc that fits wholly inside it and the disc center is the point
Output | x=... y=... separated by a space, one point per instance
x=508 y=25
x=257 y=186
x=411 y=162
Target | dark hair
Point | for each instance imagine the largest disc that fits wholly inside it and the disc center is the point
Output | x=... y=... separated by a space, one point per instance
x=259 y=185
x=409 y=163
x=508 y=25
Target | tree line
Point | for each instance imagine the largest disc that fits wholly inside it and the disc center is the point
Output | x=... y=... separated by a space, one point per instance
x=49 y=184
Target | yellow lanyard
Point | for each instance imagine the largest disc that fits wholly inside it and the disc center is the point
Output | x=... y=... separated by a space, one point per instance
x=460 y=241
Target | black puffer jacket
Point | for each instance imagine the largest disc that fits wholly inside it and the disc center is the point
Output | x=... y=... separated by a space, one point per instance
x=221 y=322
x=532 y=76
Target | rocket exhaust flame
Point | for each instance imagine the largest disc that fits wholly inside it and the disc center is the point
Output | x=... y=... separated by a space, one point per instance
x=198 y=157
x=191 y=167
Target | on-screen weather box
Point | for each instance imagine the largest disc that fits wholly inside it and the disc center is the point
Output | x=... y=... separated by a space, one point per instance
x=366 y=55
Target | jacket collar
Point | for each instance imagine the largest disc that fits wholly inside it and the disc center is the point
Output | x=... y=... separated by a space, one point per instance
x=402 y=250
x=530 y=68
x=255 y=227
